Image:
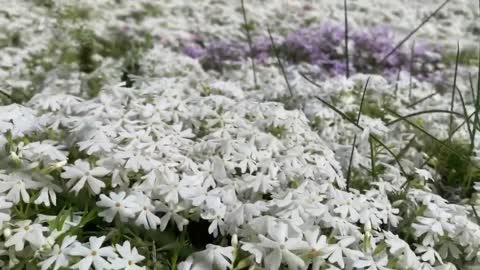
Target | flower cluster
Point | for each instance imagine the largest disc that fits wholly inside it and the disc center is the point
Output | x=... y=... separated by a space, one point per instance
x=324 y=46
x=142 y=158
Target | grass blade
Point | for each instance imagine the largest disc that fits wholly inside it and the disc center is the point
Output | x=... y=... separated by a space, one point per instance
x=414 y=31
x=395 y=157
x=472 y=89
x=477 y=106
x=275 y=51
x=6 y=95
x=420 y=113
x=344 y=116
x=349 y=170
x=347 y=60
x=372 y=159
x=410 y=80
x=361 y=101
x=450 y=123
x=404 y=150
x=422 y=100
x=465 y=115
x=250 y=46
x=453 y=151
x=463 y=123
x=396 y=82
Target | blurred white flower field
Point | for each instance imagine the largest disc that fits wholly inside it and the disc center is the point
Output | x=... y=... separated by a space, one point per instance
x=199 y=135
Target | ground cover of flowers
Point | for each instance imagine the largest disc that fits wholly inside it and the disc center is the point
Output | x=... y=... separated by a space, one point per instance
x=234 y=135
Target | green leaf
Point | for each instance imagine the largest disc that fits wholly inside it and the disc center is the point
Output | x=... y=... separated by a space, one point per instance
x=380 y=247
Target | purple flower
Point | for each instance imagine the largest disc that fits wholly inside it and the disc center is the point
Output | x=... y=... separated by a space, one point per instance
x=261 y=48
x=313 y=43
x=221 y=52
x=426 y=60
x=370 y=46
x=194 y=50
x=301 y=45
x=323 y=46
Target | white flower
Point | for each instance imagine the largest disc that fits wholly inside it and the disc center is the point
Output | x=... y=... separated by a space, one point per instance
x=476 y=186
x=136 y=160
x=281 y=247
x=426 y=175
x=93 y=254
x=316 y=241
x=213 y=257
x=97 y=143
x=433 y=224
x=217 y=224
x=119 y=174
x=125 y=206
x=245 y=156
x=448 y=248
x=46 y=151
x=26 y=231
x=172 y=188
x=401 y=250
x=81 y=173
x=17 y=185
x=19 y=119
x=348 y=206
x=214 y=171
x=171 y=212
x=59 y=254
x=129 y=258
x=146 y=216
x=259 y=183
x=337 y=252
x=429 y=254
x=245 y=212
x=373 y=262
x=48 y=191
x=4 y=210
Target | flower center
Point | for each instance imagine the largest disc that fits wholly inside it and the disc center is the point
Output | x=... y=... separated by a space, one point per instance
x=26 y=228
x=117 y=204
x=130 y=262
x=94 y=253
x=145 y=208
x=314 y=253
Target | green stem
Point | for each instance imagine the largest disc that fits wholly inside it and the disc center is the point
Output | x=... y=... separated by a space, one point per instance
x=249 y=39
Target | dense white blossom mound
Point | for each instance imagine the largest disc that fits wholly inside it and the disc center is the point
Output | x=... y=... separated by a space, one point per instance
x=117 y=151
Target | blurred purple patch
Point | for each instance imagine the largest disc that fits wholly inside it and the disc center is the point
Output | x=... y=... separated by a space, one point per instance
x=323 y=46
x=222 y=52
x=194 y=50
x=370 y=46
x=315 y=44
x=261 y=48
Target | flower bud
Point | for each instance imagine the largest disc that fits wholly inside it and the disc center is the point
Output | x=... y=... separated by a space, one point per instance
x=234 y=240
x=7 y=232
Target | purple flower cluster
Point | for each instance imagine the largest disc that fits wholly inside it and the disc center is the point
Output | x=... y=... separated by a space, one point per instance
x=324 y=47
x=261 y=48
x=371 y=46
x=194 y=50
x=426 y=61
x=217 y=54
x=223 y=52
x=303 y=45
